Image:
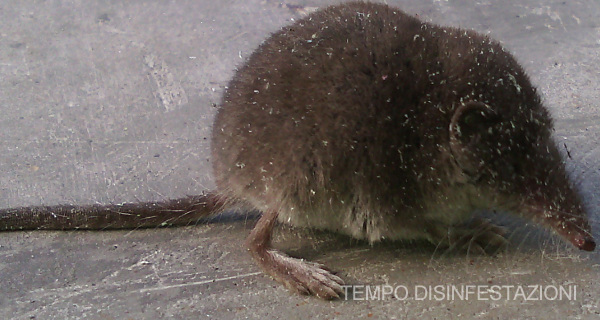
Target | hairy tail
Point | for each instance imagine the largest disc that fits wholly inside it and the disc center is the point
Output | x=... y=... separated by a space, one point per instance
x=179 y=212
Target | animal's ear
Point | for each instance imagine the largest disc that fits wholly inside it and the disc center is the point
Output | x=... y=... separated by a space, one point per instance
x=471 y=130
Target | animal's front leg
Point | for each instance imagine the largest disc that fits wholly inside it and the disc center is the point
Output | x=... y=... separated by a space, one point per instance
x=296 y=274
x=478 y=236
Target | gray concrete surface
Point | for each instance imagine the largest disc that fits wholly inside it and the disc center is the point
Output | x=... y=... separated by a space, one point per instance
x=110 y=101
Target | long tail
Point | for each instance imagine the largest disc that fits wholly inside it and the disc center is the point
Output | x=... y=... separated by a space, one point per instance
x=179 y=212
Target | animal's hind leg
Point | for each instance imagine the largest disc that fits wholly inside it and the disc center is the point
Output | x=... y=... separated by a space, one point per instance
x=297 y=275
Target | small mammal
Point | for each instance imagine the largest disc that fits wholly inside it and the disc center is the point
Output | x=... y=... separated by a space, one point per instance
x=363 y=120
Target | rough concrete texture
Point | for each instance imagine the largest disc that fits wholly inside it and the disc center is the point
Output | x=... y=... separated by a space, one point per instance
x=111 y=101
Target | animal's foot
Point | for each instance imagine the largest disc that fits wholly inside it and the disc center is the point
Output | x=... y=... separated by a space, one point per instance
x=301 y=276
x=479 y=236
x=298 y=275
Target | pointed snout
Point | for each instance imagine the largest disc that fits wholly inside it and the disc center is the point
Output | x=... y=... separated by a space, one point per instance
x=585 y=243
x=574 y=230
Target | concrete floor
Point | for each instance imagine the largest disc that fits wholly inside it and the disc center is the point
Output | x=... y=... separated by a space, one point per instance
x=110 y=101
